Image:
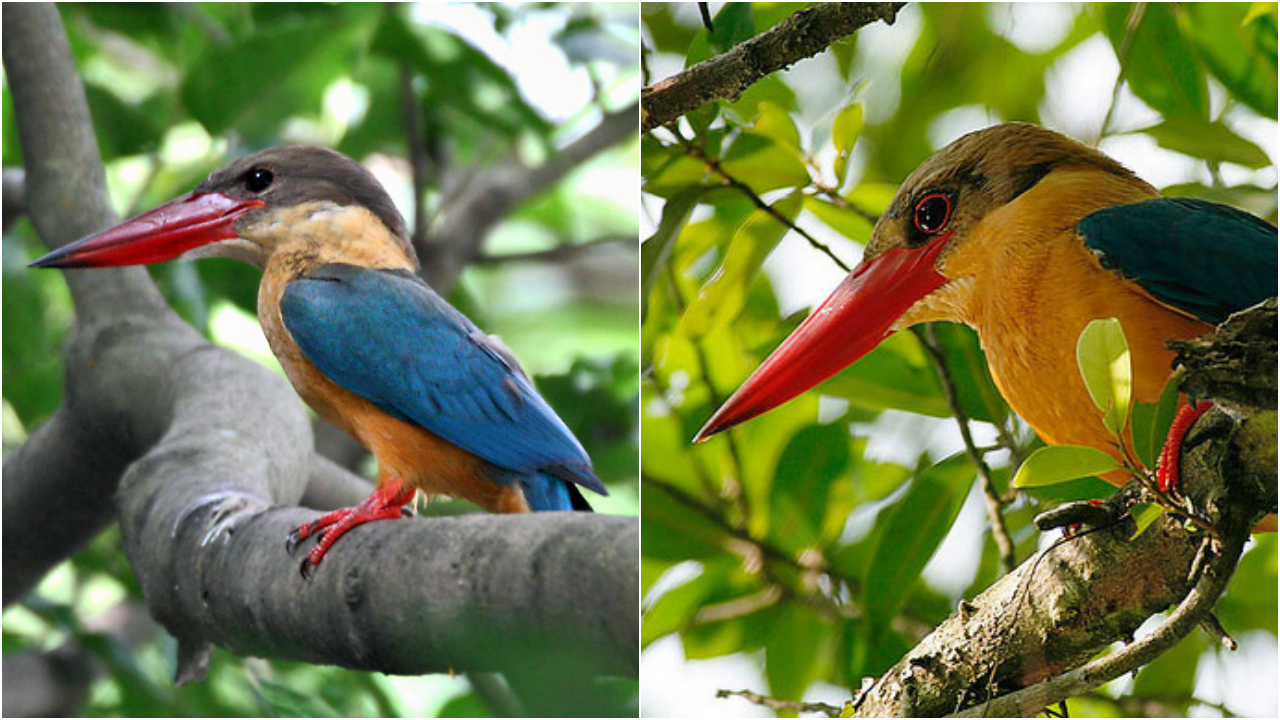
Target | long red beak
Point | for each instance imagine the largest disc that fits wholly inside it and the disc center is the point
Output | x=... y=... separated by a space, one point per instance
x=856 y=318
x=179 y=225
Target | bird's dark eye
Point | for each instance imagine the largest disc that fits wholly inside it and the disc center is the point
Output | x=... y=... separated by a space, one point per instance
x=932 y=213
x=258 y=179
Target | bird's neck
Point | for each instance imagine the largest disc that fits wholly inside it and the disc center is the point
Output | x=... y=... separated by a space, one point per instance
x=309 y=235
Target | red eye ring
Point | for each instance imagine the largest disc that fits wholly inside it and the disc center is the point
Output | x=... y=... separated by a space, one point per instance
x=926 y=217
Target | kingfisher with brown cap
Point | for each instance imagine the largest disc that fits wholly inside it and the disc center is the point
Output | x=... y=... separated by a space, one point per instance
x=443 y=407
x=1027 y=235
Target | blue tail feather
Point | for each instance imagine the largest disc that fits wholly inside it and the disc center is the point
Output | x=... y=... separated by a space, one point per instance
x=546 y=492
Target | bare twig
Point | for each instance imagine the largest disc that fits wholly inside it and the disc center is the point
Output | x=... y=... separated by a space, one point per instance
x=788 y=705
x=712 y=163
x=557 y=253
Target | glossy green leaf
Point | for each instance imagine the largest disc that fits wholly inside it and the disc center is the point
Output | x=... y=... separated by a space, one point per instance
x=1058 y=463
x=776 y=123
x=1102 y=353
x=908 y=535
x=967 y=364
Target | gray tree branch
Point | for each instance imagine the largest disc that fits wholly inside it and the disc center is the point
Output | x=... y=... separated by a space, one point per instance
x=467 y=218
x=207 y=448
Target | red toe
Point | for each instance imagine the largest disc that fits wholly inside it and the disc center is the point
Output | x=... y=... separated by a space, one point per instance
x=1168 y=473
x=385 y=503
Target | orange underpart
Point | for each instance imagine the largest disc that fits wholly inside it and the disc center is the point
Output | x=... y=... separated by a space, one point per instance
x=1168 y=473
x=385 y=503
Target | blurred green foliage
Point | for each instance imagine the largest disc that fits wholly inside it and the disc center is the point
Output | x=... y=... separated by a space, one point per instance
x=797 y=540
x=176 y=91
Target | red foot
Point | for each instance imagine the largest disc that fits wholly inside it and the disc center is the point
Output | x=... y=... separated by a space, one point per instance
x=386 y=503
x=1167 y=471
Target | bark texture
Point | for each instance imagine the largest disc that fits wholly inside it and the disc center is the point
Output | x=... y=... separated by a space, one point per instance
x=728 y=75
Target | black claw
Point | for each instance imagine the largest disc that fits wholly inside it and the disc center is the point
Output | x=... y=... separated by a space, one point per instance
x=291 y=542
x=307 y=568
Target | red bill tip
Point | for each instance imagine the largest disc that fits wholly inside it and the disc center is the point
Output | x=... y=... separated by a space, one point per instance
x=853 y=320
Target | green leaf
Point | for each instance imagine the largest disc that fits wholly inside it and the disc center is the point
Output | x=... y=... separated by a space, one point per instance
x=722 y=297
x=1212 y=141
x=1239 y=51
x=655 y=251
x=844 y=220
x=1058 y=463
x=254 y=84
x=764 y=164
x=909 y=533
x=1150 y=423
x=675 y=608
x=1143 y=515
x=795 y=651
x=969 y=372
x=1102 y=354
x=776 y=123
x=1161 y=66
x=844 y=134
x=895 y=375
x=673 y=529
x=813 y=459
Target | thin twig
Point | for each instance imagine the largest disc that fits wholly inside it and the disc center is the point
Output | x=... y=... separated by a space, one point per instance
x=714 y=164
x=1122 y=55
x=995 y=506
x=557 y=253
x=788 y=705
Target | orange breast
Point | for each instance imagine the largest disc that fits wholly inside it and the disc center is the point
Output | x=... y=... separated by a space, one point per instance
x=1035 y=286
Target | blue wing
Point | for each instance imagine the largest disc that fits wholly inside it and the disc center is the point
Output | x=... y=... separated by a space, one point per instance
x=387 y=337
x=1203 y=258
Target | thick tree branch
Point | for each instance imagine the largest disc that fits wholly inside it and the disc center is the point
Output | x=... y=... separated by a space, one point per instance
x=1027 y=639
x=466 y=219
x=210 y=444
x=726 y=76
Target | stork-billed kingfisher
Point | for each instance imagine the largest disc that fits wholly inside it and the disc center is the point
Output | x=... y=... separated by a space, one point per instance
x=443 y=407
x=1027 y=235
